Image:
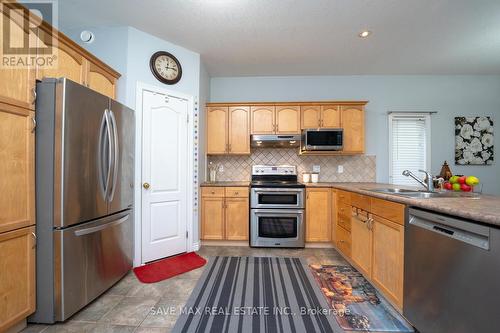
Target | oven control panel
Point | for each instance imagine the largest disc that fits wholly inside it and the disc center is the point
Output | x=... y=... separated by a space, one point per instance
x=274 y=170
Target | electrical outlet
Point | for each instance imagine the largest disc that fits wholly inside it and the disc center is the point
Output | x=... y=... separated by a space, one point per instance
x=340 y=169
x=221 y=168
x=316 y=168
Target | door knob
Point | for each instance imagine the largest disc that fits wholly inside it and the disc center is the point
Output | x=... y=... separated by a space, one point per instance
x=146 y=186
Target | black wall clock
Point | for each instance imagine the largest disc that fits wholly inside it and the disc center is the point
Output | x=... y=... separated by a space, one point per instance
x=165 y=67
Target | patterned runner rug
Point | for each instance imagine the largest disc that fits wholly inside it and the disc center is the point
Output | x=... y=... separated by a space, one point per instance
x=359 y=306
x=250 y=294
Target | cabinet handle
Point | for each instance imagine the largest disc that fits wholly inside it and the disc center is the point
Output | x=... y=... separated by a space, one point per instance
x=33 y=92
x=236 y=193
x=33 y=120
x=342 y=241
x=34 y=240
x=213 y=192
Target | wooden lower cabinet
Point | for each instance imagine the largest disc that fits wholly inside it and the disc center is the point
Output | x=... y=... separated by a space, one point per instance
x=371 y=237
x=212 y=218
x=343 y=240
x=361 y=243
x=388 y=258
x=318 y=214
x=224 y=213
x=236 y=219
x=17 y=276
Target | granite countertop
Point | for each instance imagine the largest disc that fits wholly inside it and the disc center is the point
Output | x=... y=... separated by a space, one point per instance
x=484 y=208
x=221 y=184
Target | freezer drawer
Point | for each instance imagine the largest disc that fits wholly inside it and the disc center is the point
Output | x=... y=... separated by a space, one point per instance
x=89 y=258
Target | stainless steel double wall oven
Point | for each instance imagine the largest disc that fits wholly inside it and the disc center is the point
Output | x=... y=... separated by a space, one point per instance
x=276 y=207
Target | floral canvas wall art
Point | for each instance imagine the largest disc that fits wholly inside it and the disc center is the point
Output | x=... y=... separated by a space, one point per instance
x=474 y=140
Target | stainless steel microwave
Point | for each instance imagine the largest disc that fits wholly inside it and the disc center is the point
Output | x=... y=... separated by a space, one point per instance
x=322 y=139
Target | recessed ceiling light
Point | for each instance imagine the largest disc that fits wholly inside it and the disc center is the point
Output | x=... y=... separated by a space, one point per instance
x=365 y=33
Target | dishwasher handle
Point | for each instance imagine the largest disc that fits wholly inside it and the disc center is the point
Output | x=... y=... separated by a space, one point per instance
x=466 y=236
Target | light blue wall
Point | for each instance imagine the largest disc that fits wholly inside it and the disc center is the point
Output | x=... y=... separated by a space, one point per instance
x=450 y=96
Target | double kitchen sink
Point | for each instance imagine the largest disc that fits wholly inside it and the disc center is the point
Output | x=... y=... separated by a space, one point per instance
x=422 y=194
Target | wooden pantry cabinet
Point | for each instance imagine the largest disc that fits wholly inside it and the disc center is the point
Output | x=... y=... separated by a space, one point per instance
x=318 y=214
x=224 y=213
x=228 y=130
x=371 y=237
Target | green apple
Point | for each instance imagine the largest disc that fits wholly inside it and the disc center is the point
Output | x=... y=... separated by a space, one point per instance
x=454 y=179
x=456 y=187
x=472 y=181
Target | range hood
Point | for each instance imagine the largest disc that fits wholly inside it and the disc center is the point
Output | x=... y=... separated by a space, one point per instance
x=276 y=141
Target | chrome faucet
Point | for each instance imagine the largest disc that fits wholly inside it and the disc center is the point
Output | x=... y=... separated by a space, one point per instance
x=427 y=182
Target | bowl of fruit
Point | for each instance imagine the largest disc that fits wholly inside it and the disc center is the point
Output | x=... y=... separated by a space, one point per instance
x=461 y=183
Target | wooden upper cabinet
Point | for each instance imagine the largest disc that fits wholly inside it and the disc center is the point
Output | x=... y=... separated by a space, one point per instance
x=217 y=129
x=17 y=168
x=96 y=78
x=262 y=119
x=388 y=258
x=69 y=63
x=17 y=280
x=17 y=84
x=353 y=123
x=330 y=116
x=288 y=119
x=310 y=116
x=318 y=214
x=239 y=130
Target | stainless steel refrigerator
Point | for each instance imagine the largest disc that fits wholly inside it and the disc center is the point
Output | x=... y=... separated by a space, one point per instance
x=84 y=191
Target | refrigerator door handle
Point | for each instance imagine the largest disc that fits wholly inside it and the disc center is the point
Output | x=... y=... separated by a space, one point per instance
x=115 y=155
x=100 y=156
x=110 y=147
x=91 y=230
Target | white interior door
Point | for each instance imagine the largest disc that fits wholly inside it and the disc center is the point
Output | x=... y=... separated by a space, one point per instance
x=164 y=175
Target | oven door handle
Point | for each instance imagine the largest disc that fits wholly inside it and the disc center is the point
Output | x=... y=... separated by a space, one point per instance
x=280 y=212
x=277 y=190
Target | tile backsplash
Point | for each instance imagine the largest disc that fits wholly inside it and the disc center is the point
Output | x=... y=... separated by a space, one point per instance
x=358 y=168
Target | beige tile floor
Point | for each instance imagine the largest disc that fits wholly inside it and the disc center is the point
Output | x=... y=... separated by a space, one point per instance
x=132 y=306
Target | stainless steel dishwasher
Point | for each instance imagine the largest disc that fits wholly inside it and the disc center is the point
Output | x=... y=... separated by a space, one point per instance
x=452 y=274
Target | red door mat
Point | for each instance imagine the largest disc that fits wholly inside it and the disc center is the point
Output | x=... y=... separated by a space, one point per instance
x=168 y=267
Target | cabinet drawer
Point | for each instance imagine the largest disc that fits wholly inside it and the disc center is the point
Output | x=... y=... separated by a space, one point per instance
x=344 y=241
x=344 y=197
x=237 y=192
x=214 y=192
x=344 y=218
x=389 y=210
x=360 y=201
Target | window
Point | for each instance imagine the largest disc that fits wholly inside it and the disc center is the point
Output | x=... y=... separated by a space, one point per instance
x=409 y=145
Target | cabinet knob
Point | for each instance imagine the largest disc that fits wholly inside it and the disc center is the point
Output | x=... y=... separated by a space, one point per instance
x=213 y=192
x=236 y=193
x=146 y=186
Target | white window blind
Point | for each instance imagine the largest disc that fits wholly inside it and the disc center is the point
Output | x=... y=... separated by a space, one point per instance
x=409 y=145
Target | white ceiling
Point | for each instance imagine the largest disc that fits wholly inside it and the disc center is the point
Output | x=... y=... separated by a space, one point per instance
x=313 y=37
